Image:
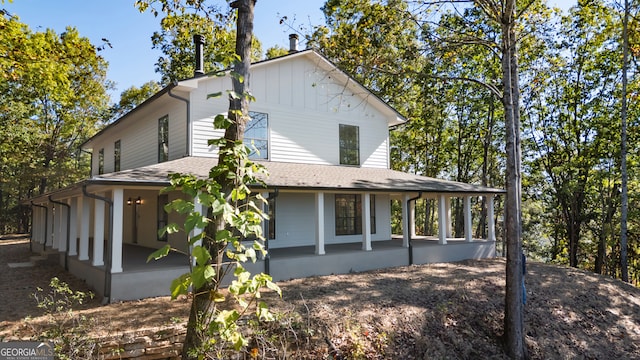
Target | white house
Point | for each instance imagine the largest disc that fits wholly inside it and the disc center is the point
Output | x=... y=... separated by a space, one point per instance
x=324 y=139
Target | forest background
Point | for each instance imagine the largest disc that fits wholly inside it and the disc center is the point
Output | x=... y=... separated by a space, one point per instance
x=435 y=62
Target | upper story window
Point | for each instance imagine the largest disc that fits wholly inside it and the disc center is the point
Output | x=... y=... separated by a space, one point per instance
x=256 y=135
x=116 y=156
x=101 y=161
x=349 y=145
x=163 y=139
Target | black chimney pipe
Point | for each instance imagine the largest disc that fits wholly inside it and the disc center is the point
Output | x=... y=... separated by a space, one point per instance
x=198 y=40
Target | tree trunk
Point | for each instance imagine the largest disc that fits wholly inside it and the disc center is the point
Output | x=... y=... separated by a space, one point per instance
x=239 y=115
x=513 y=319
x=608 y=209
x=623 y=147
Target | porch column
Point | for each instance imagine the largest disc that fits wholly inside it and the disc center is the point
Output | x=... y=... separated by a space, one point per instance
x=412 y=211
x=73 y=227
x=50 y=227
x=55 y=230
x=85 y=223
x=118 y=228
x=366 y=222
x=320 y=223
x=405 y=221
x=62 y=214
x=42 y=229
x=197 y=206
x=442 y=219
x=98 y=233
x=491 y=227
x=468 y=227
x=448 y=216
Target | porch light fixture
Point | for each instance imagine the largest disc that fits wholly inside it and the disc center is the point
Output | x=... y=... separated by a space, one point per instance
x=138 y=201
x=129 y=201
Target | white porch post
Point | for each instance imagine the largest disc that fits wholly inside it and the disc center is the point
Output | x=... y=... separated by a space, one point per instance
x=73 y=227
x=320 y=223
x=116 y=236
x=98 y=233
x=56 y=228
x=62 y=226
x=468 y=227
x=442 y=219
x=412 y=212
x=366 y=222
x=197 y=206
x=491 y=227
x=448 y=214
x=50 y=227
x=85 y=222
x=405 y=221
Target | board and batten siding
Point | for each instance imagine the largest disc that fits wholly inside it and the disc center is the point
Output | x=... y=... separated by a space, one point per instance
x=295 y=220
x=138 y=136
x=305 y=108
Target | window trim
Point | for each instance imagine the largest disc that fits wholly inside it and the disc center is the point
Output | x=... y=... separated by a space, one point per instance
x=248 y=140
x=163 y=139
x=117 y=151
x=346 y=148
x=355 y=227
x=101 y=161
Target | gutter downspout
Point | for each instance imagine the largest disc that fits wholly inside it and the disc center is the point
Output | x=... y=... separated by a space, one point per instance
x=107 y=263
x=409 y=225
x=267 y=257
x=46 y=224
x=188 y=103
x=66 y=251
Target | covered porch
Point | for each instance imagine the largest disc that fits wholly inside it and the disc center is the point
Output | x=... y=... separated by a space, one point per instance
x=105 y=228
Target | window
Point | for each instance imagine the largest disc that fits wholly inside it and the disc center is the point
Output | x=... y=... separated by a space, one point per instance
x=349 y=214
x=349 y=145
x=163 y=139
x=163 y=216
x=116 y=156
x=101 y=161
x=256 y=135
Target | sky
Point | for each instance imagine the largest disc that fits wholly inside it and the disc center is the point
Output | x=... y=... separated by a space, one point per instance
x=131 y=58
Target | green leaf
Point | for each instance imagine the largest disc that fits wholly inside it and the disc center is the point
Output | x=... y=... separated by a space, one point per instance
x=214 y=95
x=201 y=255
x=180 y=285
x=160 y=253
x=202 y=275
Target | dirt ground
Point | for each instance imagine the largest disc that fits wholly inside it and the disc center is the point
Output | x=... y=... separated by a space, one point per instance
x=438 y=311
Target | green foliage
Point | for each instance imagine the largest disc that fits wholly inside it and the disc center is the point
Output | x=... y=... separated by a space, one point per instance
x=68 y=331
x=54 y=96
x=134 y=96
x=175 y=40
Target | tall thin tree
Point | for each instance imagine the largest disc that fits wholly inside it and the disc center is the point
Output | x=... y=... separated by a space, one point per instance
x=623 y=146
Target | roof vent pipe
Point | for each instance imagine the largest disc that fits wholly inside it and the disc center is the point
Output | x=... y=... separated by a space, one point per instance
x=293 y=43
x=198 y=40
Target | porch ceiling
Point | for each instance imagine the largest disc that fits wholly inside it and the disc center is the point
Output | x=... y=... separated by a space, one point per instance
x=302 y=176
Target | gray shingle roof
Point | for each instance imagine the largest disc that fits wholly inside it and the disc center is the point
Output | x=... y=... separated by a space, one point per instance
x=301 y=176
